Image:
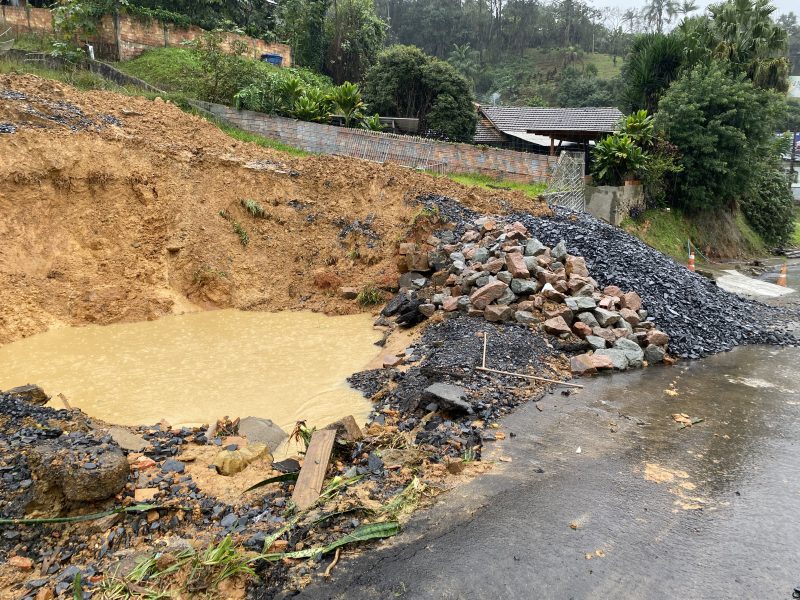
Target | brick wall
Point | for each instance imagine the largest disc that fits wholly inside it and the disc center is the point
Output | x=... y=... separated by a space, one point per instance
x=135 y=35
x=405 y=150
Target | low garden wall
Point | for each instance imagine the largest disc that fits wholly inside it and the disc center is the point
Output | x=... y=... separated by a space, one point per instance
x=613 y=203
x=408 y=151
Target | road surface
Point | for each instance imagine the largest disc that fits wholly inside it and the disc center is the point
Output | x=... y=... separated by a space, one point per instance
x=605 y=497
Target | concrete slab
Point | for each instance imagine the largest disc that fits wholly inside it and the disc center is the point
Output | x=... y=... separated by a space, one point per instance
x=736 y=283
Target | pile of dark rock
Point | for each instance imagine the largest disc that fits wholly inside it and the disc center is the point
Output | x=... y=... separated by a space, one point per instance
x=501 y=273
x=700 y=317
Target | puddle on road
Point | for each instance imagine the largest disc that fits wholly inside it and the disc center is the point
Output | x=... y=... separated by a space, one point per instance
x=191 y=369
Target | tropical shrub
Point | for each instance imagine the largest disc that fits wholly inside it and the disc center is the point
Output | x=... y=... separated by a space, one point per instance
x=617 y=158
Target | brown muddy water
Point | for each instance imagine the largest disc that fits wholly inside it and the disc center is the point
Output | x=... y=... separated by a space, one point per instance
x=194 y=368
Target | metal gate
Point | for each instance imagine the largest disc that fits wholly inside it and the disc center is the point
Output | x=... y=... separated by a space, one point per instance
x=567 y=188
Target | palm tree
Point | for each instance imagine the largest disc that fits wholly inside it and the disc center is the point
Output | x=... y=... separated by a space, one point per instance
x=686 y=7
x=465 y=60
x=743 y=32
x=659 y=12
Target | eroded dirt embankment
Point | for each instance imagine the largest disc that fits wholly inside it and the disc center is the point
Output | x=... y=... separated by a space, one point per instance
x=111 y=212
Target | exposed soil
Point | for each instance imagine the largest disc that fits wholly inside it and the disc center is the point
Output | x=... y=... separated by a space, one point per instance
x=111 y=212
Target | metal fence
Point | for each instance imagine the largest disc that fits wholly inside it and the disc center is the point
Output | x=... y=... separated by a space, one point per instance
x=567 y=186
x=406 y=151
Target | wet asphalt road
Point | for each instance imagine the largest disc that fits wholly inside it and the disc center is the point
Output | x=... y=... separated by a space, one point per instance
x=711 y=511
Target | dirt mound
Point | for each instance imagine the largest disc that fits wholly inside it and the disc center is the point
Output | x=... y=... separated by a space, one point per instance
x=118 y=208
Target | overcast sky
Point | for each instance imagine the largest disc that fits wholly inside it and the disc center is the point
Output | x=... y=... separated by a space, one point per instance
x=783 y=6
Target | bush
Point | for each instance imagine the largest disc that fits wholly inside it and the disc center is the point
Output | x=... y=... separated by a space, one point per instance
x=616 y=158
x=723 y=126
x=770 y=207
x=406 y=82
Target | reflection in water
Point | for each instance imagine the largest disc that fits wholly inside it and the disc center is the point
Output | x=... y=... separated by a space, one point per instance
x=197 y=367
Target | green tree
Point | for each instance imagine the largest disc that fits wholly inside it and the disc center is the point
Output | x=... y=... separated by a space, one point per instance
x=723 y=126
x=406 y=82
x=302 y=24
x=769 y=207
x=354 y=35
x=653 y=63
x=657 y=13
x=465 y=60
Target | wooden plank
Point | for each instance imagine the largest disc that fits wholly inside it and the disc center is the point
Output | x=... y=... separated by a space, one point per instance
x=309 y=482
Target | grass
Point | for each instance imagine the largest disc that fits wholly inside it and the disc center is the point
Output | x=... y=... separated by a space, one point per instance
x=534 y=190
x=244 y=237
x=171 y=69
x=369 y=296
x=253 y=138
x=795 y=239
x=253 y=207
x=722 y=234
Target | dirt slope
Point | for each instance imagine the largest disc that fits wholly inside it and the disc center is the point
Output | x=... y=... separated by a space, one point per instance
x=110 y=211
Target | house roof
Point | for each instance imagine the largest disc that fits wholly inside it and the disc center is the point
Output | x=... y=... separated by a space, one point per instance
x=532 y=119
x=538 y=140
x=486 y=132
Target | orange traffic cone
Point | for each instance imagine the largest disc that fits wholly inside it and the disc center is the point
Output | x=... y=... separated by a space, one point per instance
x=782 y=277
x=691 y=262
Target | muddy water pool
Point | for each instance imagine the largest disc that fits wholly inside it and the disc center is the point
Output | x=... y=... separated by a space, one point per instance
x=194 y=368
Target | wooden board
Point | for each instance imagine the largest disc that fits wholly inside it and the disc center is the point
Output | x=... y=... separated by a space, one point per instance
x=309 y=482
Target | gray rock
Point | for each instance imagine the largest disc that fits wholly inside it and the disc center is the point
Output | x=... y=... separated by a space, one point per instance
x=173 y=466
x=262 y=431
x=556 y=266
x=633 y=352
x=623 y=324
x=559 y=253
x=532 y=265
x=586 y=290
x=457 y=267
x=605 y=317
x=438 y=299
x=484 y=280
x=597 y=343
x=127 y=440
x=654 y=354
x=457 y=257
x=524 y=317
x=448 y=397
x=419 y=283
x=618 y=358
x=407 y=279
x=507 y=298
x=427 y=309
x=585 y=303
x=59 y=466
x=472 y=278
x=524 y=287
x=588 y=319
x=463 y=303
x=481 y=255
x=534 y=247
x=505 y=277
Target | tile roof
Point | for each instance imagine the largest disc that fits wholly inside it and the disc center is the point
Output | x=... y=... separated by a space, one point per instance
x=486 y=133
x=533 y=119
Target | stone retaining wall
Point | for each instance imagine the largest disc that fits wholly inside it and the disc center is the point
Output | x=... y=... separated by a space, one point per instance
x=405 y=150
x=126 y=37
